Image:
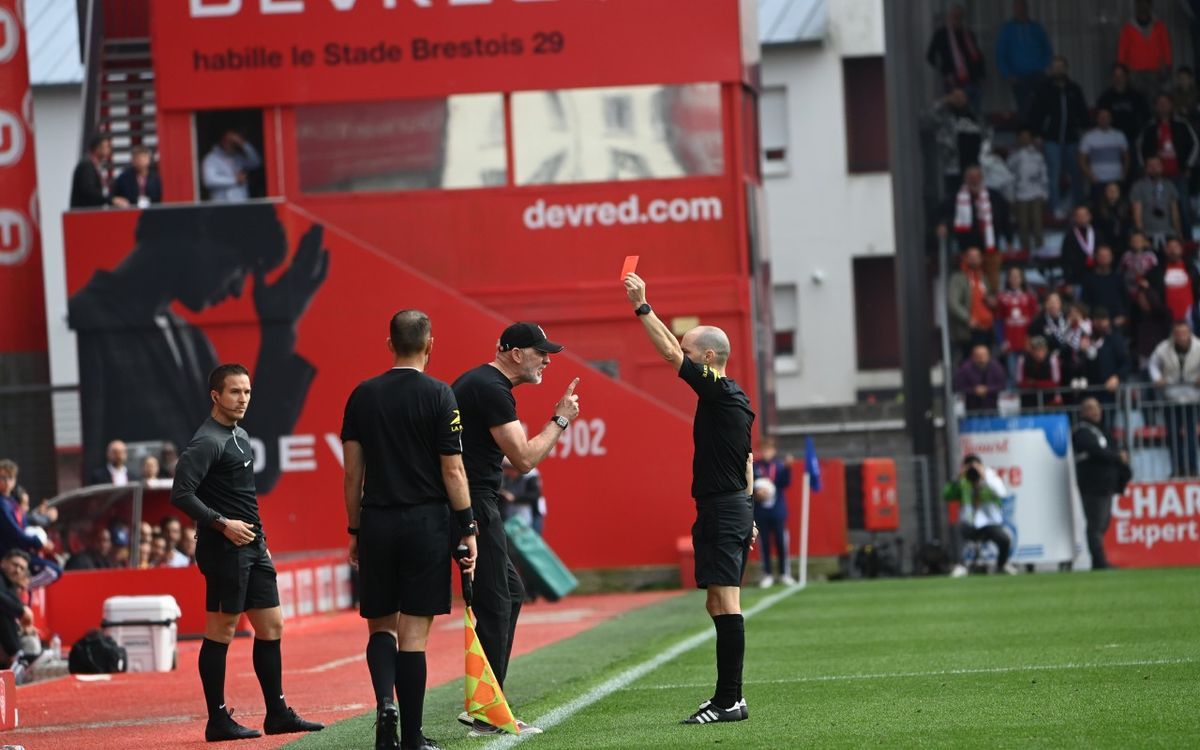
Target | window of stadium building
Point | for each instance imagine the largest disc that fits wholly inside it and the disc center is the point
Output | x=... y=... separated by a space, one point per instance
x=452 y=142
x=620 y=133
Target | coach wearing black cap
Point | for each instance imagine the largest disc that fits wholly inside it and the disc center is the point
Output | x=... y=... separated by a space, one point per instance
x=407 y=505
x=722 y=469
x=491 y=432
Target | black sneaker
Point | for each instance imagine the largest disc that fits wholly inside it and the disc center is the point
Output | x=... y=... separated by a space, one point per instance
x=426 y=744
x=222 y=727
x=289 y=722
x=710 y=713
x=387 y=721
x=745 y=709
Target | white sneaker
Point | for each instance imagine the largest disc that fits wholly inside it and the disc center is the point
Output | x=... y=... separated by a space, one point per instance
x=1011 y=569
x=787 y=580
x=960 y=571
x=766 y=582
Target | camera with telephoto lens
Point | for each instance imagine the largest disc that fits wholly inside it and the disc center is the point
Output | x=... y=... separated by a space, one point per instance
x=972 y=474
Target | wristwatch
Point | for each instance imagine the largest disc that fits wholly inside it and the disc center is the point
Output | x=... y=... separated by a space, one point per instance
x=351 y=531
x=643 y=309
x=561 y=421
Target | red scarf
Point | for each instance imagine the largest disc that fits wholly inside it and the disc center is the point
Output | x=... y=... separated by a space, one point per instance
x=960 y=64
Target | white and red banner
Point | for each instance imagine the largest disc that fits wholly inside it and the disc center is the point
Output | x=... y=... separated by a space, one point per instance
x=1155 y=524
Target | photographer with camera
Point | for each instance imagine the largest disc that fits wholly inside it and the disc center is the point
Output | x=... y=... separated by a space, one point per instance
x=980 y=491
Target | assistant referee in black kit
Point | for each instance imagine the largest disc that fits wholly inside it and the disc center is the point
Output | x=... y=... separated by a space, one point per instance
x=722 y=471
x=407 y=504
x=491 y=432
x=214 y=485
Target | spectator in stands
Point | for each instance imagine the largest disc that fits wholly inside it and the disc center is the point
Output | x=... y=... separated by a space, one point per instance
x=16 y=618
x=1155 y=204
x=120 y=554
x=1079 y=325
x=160 y=552
x=145 y=551
x=1079 y=244
x=15 y=534
x=979 y=492
x=226 y=167
x=1106 y=357
x=1031 y=189
x=150 y=470
x=979 y=217
x=1059 y=114
x=1015 y=305
x=969 y=302
x=1185 y=96
x=1172 y=140
x=1100 y=468
x=1113 y=216
x=138 y=183
x=90 y=184
x=520 y=493
x=115 y=471
x=97 y=556
x=1023 y=53
x=1051 y=323
x=1103 y=155
x=954 y=53
x=172 y=531
x=168 y=457
x=1102 y=286
x=1177 y=282
x=1128 y=106
x=1175 y=370
x=1039 y=369
x=980 y=379
x=959 y=133
x=1145 y=49
x=187 y=545
x=1150 y=317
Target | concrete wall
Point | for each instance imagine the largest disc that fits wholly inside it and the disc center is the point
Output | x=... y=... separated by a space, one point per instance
x=820 y=217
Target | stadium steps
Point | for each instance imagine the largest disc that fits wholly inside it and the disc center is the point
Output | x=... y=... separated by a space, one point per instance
x=127 y=100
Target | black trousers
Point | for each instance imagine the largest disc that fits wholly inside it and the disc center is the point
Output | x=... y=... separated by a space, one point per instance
x=994 y=534
x=1097 y=511
x=498 y=592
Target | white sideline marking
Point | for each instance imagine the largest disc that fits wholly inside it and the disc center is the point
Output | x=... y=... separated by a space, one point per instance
x=329 y=665
x=634 y=673
x=938 y=673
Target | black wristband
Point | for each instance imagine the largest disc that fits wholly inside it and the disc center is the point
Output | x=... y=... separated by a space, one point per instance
x=351 y=531
x=466 y=521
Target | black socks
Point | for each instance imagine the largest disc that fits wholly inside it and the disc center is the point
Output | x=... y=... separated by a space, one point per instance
x=268 y=667
x=381 y=661
x=212 y=675
x=731 y=650
x=410 y=694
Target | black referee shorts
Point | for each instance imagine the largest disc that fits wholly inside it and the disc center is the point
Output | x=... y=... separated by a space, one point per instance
x=721 y=538
x=404 y=560
x=236 y=578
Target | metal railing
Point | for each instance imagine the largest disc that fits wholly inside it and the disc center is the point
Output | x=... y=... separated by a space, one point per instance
x=1156 y=427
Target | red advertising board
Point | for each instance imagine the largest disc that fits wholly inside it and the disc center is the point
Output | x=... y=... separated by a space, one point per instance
x=1155 y=524
x=246 y=53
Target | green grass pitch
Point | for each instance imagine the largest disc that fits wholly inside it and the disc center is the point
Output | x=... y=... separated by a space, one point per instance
x=1086 y=660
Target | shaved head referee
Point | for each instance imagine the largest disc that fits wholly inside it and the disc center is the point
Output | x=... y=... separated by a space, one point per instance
x=722 y=469
x=407 y=504
x=490 y=433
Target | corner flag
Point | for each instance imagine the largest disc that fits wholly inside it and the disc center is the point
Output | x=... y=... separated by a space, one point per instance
x=811 y=466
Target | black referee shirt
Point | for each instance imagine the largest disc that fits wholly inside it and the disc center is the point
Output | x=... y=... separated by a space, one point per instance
x=405 y=421
x=720 y=431
x=486 y=399
x=215 y=476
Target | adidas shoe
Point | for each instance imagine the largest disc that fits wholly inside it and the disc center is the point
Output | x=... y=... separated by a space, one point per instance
x=483 y=729
x=465 y=719
x=289 y=722
x=387 y=722
x=222 y=727
x=523 y=728
x=745 y=709
x=710 y=713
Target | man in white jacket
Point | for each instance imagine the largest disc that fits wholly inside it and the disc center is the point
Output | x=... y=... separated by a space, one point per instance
x=1175 y=370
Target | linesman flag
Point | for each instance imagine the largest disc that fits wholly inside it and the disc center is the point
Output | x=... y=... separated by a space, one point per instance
x=482 y=697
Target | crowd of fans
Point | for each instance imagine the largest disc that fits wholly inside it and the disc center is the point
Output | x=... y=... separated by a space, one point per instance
x=1116 y=299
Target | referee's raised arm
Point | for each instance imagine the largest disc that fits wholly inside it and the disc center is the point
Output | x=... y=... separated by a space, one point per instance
x=661 y=336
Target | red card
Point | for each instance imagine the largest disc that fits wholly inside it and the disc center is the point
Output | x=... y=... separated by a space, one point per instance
x=630 y=265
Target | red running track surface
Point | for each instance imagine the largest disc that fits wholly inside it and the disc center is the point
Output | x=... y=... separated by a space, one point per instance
x=324 y=676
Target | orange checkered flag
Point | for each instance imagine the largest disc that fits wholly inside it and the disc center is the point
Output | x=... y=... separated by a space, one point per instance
x=482 y=697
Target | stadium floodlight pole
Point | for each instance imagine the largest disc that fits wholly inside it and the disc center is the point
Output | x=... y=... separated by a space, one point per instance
x=903 y=69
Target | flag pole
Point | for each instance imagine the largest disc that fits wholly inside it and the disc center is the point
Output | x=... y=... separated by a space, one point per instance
x=804 y=499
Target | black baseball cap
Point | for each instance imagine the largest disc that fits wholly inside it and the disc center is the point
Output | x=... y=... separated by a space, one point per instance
x=524 y=335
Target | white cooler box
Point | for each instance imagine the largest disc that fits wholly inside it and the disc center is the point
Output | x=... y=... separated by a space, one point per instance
x=145 y=626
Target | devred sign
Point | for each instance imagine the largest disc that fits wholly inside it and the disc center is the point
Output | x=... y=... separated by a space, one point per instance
x=247 y=53
x=1154 y=524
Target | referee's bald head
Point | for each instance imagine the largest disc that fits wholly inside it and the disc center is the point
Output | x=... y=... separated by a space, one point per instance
x=409 y=333
x=702 y=339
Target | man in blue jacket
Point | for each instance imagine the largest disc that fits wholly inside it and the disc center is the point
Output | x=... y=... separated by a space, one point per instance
x=1023 y=53
x=772 y=476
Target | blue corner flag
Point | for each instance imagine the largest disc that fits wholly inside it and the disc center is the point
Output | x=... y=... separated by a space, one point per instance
x=811 y=467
